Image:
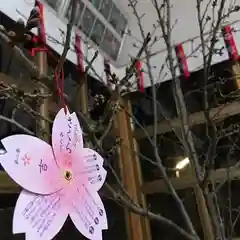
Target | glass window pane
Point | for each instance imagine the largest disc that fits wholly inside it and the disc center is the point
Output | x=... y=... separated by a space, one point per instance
x=117 y=20
x=106 y=7
x=87 y=21
x=110 y=45
x=80 y=8
x=98 y=31
x=115 y=48
x=95 y=3
x=53 y=3
x=122 y=24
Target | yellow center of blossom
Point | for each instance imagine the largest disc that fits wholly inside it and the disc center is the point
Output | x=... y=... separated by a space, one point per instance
x=68 y=175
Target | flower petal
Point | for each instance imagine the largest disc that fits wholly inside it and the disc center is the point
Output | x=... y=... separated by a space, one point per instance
x=66 y=135
x=88 y=213
x=39 y=216
x=91 y=169
x=30 y=162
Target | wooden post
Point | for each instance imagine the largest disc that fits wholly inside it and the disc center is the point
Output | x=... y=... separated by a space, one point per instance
x=137 y=226
x=236 y=73
x=205 y=219
x=43 y=131
x=83 y=95
x=41 y=59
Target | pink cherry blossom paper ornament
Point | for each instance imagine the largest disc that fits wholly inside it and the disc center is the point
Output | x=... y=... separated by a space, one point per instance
x=59 y=181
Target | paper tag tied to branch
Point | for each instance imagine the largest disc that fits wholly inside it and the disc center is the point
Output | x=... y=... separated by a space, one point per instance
x=65 y=179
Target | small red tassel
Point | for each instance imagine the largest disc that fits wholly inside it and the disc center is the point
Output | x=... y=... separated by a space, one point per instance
x=182 y=61
x=140 y=76
x=42 y=32
x=41 y=38
x=230 y=43
x=78 y=49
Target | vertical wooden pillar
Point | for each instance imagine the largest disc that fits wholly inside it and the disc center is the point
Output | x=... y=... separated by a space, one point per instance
x=82 y=102
x=82 y=98
x=236 y=73
x=42 y=63
x=83 y=95
x=137 y=226
x=205 y=219
x=43 y=131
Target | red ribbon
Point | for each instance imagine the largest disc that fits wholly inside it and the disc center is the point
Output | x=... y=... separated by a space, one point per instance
x=140 y=76
x=230 y=43
x=42 y=32
x=41 y=38
x=182 y=61
x=78 y=49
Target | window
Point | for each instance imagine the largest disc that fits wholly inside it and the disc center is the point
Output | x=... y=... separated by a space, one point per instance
x=106 y=7
x=53 y=3
x=98 y=31
x=88 y=19
x=110 y=44
x=105 y=28
x=115 y=47
x=80 y=8
x=117 y=20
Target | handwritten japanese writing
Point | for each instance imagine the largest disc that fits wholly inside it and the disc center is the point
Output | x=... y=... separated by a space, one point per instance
x=84 y=219
x=95 y=179
x=41 y=211
x=90 y=169
x=61 y=141
x=68 y=146
x=88 y=213
x=89 y=210
x=93 y=202
x=100 y=211
x=77 y=133
x=17 y=156
x=42 y=166
x=91 y=157
x=91 y=229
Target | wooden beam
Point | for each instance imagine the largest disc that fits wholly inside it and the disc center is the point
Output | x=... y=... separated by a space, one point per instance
x=137 y=226
x=217 y=114
x=218 y=176
x=203 y=213
x=43 y=128
x=25 y=85
x=236 y=73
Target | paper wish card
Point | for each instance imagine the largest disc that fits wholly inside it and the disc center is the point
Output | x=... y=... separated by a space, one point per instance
x=58 y=181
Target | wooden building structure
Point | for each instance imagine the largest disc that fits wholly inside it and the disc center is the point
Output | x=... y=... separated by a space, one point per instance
x=143 y=183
